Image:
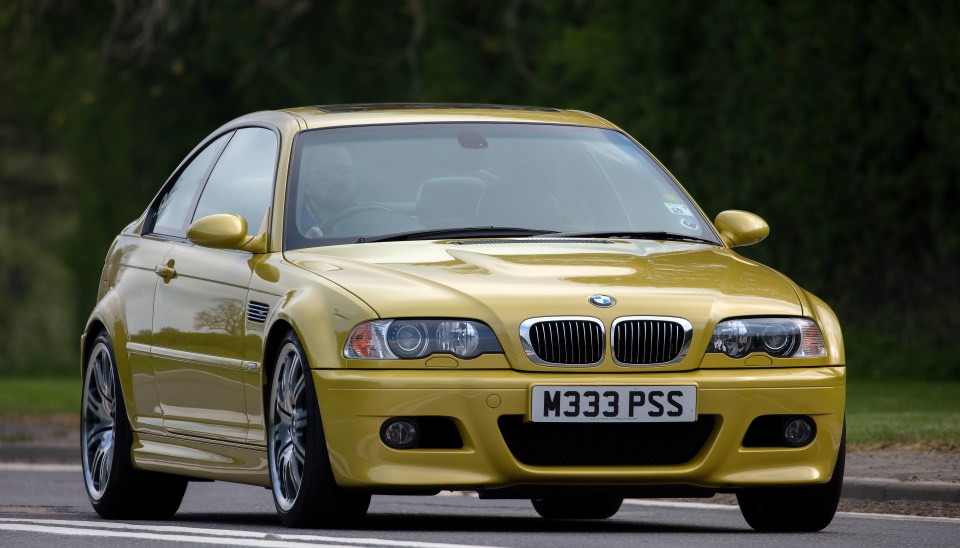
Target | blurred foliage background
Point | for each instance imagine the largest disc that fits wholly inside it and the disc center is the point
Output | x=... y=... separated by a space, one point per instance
x=835 y=121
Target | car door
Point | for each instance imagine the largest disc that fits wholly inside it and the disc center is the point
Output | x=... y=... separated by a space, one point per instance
x=199 y=314
x=139 y=264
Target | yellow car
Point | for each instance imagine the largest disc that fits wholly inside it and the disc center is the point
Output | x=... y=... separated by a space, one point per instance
x=339 y=301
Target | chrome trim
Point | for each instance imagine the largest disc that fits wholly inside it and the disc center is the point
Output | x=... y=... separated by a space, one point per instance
x=525 y=326
x=251 y=366
x=139 y=348
x=684 y=348
x=193 y=357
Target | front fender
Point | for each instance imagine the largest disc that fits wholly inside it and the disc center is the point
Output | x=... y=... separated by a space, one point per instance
x=323 y=314
x=829 y=326
x=108 y=316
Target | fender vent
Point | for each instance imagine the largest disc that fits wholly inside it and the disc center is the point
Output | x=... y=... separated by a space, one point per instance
x=257 y=312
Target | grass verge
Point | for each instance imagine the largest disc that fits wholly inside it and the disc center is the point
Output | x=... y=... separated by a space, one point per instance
x=904 y=413
x=879 y=413
x=39 y=395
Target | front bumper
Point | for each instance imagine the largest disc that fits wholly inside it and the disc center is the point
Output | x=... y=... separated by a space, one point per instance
x=355 y=403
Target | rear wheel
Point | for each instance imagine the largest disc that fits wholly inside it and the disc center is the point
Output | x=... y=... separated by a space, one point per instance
x=796 y=509
x=577 y=508
x=115 y=489
x=304 y=489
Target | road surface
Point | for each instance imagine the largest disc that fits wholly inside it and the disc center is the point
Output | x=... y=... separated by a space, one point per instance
x=45 y=505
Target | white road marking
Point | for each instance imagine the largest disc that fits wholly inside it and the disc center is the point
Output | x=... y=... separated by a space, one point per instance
x=709 y=506
x=38 y=467
x=208 y=536
x=673 y=504
x=230 y=541
x=898 y=517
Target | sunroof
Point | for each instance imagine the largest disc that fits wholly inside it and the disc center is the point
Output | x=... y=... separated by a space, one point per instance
x=367 y=107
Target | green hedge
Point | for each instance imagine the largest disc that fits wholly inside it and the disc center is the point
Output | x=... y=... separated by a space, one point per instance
x=835 y=121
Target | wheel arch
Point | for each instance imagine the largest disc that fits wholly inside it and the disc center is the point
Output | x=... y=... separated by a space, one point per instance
x=94 y=326
x=271 y=346
x=108 y=318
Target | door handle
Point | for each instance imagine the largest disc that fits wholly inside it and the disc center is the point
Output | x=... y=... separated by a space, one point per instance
x=165 y=272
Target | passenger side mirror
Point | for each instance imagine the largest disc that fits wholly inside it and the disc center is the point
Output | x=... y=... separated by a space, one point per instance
x=220 y=231
x=739 y=228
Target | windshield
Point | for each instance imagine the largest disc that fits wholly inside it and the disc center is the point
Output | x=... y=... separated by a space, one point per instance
x=363 y=183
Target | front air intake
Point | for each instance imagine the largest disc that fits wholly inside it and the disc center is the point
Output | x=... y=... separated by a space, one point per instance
x=605 y=444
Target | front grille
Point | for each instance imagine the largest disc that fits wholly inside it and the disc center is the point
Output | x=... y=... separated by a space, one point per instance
x=604 y=444
x=642 y=340
x=576 y=341
x=257 y=312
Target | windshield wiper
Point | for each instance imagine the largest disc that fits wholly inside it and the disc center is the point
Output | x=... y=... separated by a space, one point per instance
x=628 y=235
x=462 y=232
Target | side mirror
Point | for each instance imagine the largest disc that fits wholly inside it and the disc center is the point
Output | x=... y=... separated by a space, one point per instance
x=221 y=231
x=739 y=228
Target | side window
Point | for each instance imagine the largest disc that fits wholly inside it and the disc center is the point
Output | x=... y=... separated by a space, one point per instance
x=174 y=205
x=242 y=180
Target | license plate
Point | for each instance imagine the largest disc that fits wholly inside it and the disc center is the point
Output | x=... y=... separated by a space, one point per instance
x=613 y=404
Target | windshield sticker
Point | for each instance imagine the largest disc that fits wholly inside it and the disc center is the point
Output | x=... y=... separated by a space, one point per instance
x=670 y=197
x=678 y=209
x=690 y=224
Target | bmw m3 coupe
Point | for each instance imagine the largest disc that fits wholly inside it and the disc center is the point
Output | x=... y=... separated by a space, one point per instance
x=339 y=301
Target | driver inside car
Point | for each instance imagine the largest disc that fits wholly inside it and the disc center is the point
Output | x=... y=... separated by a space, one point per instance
x=326 y=175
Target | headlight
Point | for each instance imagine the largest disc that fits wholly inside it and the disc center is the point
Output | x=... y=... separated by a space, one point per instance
x=778 y=337
x=408 y=339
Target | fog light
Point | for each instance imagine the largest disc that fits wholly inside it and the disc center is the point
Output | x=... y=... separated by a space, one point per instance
x=400 y=433
x=798 y=431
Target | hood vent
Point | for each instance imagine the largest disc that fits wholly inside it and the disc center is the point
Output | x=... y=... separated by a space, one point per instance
x=257 y=312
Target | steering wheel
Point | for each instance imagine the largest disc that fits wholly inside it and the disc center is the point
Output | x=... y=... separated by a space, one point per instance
x=329 y=226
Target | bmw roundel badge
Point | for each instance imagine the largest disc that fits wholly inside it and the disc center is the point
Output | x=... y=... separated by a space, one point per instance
x=603 y=301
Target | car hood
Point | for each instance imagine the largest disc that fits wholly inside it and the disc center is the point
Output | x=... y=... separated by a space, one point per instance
x=503 y=282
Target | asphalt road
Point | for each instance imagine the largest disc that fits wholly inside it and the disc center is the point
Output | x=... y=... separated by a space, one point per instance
x=46 y=506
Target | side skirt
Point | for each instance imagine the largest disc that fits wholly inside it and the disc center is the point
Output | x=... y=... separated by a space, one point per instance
x=201 y=459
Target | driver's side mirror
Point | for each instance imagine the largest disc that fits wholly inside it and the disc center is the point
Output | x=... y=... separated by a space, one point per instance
x=739 y=228
x=220 y=231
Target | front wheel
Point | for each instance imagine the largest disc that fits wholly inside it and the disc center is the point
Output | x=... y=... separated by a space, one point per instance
x=115 y=488
x=795 y=509
x=301 y=479
x=577 y=508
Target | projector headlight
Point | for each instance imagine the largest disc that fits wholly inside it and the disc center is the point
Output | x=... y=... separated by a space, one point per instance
x=778 y=337
x=411 y=339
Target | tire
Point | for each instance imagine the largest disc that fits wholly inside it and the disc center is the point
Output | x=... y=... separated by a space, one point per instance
x=115 y=488
x=577 y=508
x=305 y=492
x=795 y=509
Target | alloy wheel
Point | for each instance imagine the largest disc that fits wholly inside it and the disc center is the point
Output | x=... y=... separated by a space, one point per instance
x=99 y=420
x=288 y=423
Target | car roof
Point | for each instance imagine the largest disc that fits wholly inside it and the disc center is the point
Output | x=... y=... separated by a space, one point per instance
x=395 y=113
